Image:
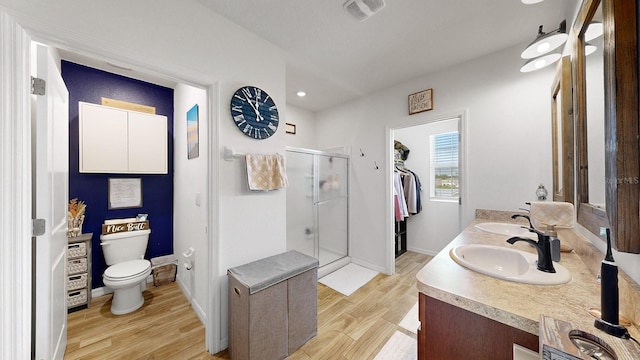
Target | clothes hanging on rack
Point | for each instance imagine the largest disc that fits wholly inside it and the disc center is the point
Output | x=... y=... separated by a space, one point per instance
x=401 y=210
x=406 y=189
x=410 y=196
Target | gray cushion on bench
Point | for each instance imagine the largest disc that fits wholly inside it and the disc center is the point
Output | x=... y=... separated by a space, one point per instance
x=263 y=273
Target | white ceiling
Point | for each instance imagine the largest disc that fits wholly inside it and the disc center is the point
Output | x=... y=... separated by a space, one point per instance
x=335 y=58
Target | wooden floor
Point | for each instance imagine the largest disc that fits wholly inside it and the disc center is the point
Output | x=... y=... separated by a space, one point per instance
x=349 y=327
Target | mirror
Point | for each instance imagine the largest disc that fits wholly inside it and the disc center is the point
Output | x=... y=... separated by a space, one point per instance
x=607 y=165
x=594 y=124
x=589 y=71
x=562 y=132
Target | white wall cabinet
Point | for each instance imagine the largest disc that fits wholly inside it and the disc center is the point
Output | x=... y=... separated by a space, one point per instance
x=122 y=142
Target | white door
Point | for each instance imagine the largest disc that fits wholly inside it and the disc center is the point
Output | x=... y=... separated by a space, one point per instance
x=50 y=186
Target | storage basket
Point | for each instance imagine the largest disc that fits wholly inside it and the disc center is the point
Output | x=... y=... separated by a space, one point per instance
x=76 y=249
x=77 y=297
x=77 y=266
x=164 y=269
x=77 y=281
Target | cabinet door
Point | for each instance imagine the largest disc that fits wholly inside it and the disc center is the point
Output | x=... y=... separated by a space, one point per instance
x=103 y=139
x=147 y=143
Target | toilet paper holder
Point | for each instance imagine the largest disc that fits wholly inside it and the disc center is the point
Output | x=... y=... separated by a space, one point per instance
x=187 y=258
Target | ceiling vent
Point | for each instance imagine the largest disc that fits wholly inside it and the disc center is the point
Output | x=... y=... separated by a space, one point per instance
x=363 y=9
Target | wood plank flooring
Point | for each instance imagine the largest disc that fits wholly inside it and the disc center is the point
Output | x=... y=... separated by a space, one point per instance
x=349 y=327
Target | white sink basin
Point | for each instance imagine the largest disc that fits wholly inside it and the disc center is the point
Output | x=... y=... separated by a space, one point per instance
x=505 y=229
x=508 y=264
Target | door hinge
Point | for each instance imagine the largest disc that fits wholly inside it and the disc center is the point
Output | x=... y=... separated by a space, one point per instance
x=38 y=86
x=459 y=201
x=38 y=227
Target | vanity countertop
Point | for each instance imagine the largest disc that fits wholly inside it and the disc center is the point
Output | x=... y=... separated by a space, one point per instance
x=515 y=304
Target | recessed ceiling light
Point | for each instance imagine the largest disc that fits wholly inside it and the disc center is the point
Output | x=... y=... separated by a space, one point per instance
x=301 y=93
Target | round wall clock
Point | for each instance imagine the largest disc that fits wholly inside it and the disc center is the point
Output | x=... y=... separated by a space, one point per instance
x=254 y=112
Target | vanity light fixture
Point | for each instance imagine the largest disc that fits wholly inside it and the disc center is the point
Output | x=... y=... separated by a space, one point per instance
x=594 y=30
x=540 y=62
x=301 y=93
x=589 y=49
x=546 y=42
x=529 y=2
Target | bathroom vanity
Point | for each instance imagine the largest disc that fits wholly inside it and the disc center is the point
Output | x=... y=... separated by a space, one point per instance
x=467 y=315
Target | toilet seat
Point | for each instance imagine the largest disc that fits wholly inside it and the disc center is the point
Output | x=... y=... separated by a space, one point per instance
x=127 y=270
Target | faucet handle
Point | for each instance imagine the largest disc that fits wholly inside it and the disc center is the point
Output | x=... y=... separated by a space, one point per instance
x=541 y=235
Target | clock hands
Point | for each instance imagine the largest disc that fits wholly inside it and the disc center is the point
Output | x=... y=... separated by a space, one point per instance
x=255 y=106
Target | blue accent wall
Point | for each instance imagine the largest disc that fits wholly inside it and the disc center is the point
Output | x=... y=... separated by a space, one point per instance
x=90 y=85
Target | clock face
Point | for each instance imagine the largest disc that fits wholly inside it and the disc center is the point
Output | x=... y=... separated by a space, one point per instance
x=254 y=112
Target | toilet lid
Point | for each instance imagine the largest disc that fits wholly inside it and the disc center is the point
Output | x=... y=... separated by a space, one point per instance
x=127 y=269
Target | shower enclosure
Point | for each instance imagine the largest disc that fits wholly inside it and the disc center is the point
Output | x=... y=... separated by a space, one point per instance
x=317 y=204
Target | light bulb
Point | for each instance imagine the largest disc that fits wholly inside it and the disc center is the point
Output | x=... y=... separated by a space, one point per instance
x=544 y=47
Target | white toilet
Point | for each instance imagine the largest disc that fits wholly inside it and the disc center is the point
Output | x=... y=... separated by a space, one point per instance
x=128 y=270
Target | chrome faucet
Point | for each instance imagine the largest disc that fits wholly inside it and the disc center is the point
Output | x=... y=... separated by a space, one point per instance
x=543 y=246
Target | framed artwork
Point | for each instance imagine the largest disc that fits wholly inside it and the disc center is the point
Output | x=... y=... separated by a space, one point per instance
x=193 y=139
x=125 y=193
x=421 y=101
x=290 y=128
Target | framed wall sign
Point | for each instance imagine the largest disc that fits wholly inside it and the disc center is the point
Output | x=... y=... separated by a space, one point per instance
x=290 y=128
x=421 y=101
x=125 y=193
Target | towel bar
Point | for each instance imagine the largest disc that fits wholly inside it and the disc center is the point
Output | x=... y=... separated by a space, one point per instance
x=230 y=154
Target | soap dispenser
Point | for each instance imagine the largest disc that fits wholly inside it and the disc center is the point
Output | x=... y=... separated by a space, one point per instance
x=541 y=193
x=554 y=241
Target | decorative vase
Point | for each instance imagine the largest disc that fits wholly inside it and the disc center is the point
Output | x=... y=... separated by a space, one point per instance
x=74 y=227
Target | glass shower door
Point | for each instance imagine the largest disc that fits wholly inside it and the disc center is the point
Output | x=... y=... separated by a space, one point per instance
x=317 y=204
x=332 y=208
x=300 y=207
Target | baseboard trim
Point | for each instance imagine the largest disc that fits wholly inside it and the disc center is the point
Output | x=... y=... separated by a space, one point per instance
x=374 y=267
x=202 y=315
x=101 y=291
x=423 y=251
x=331 y=267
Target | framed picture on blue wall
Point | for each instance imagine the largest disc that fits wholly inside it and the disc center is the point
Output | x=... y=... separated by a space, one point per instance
x=125 y=193
x=193 y=140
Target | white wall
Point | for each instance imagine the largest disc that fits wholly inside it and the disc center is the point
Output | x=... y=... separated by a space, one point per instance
x=305 y=122
x=190 y=196
x=252 y=223
x=190 y=42
x=508 y=143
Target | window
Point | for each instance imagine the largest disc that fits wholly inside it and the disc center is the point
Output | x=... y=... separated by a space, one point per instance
x=444 y=166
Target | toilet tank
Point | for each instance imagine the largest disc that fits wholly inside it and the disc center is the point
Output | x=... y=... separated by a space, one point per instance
x=124 y=246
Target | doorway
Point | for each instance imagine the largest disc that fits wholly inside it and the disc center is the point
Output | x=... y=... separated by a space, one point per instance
x=17 y=35
x=427 y=183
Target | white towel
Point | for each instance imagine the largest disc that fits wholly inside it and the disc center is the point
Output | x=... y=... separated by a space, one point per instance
x=556 y=213
x=266 y=172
